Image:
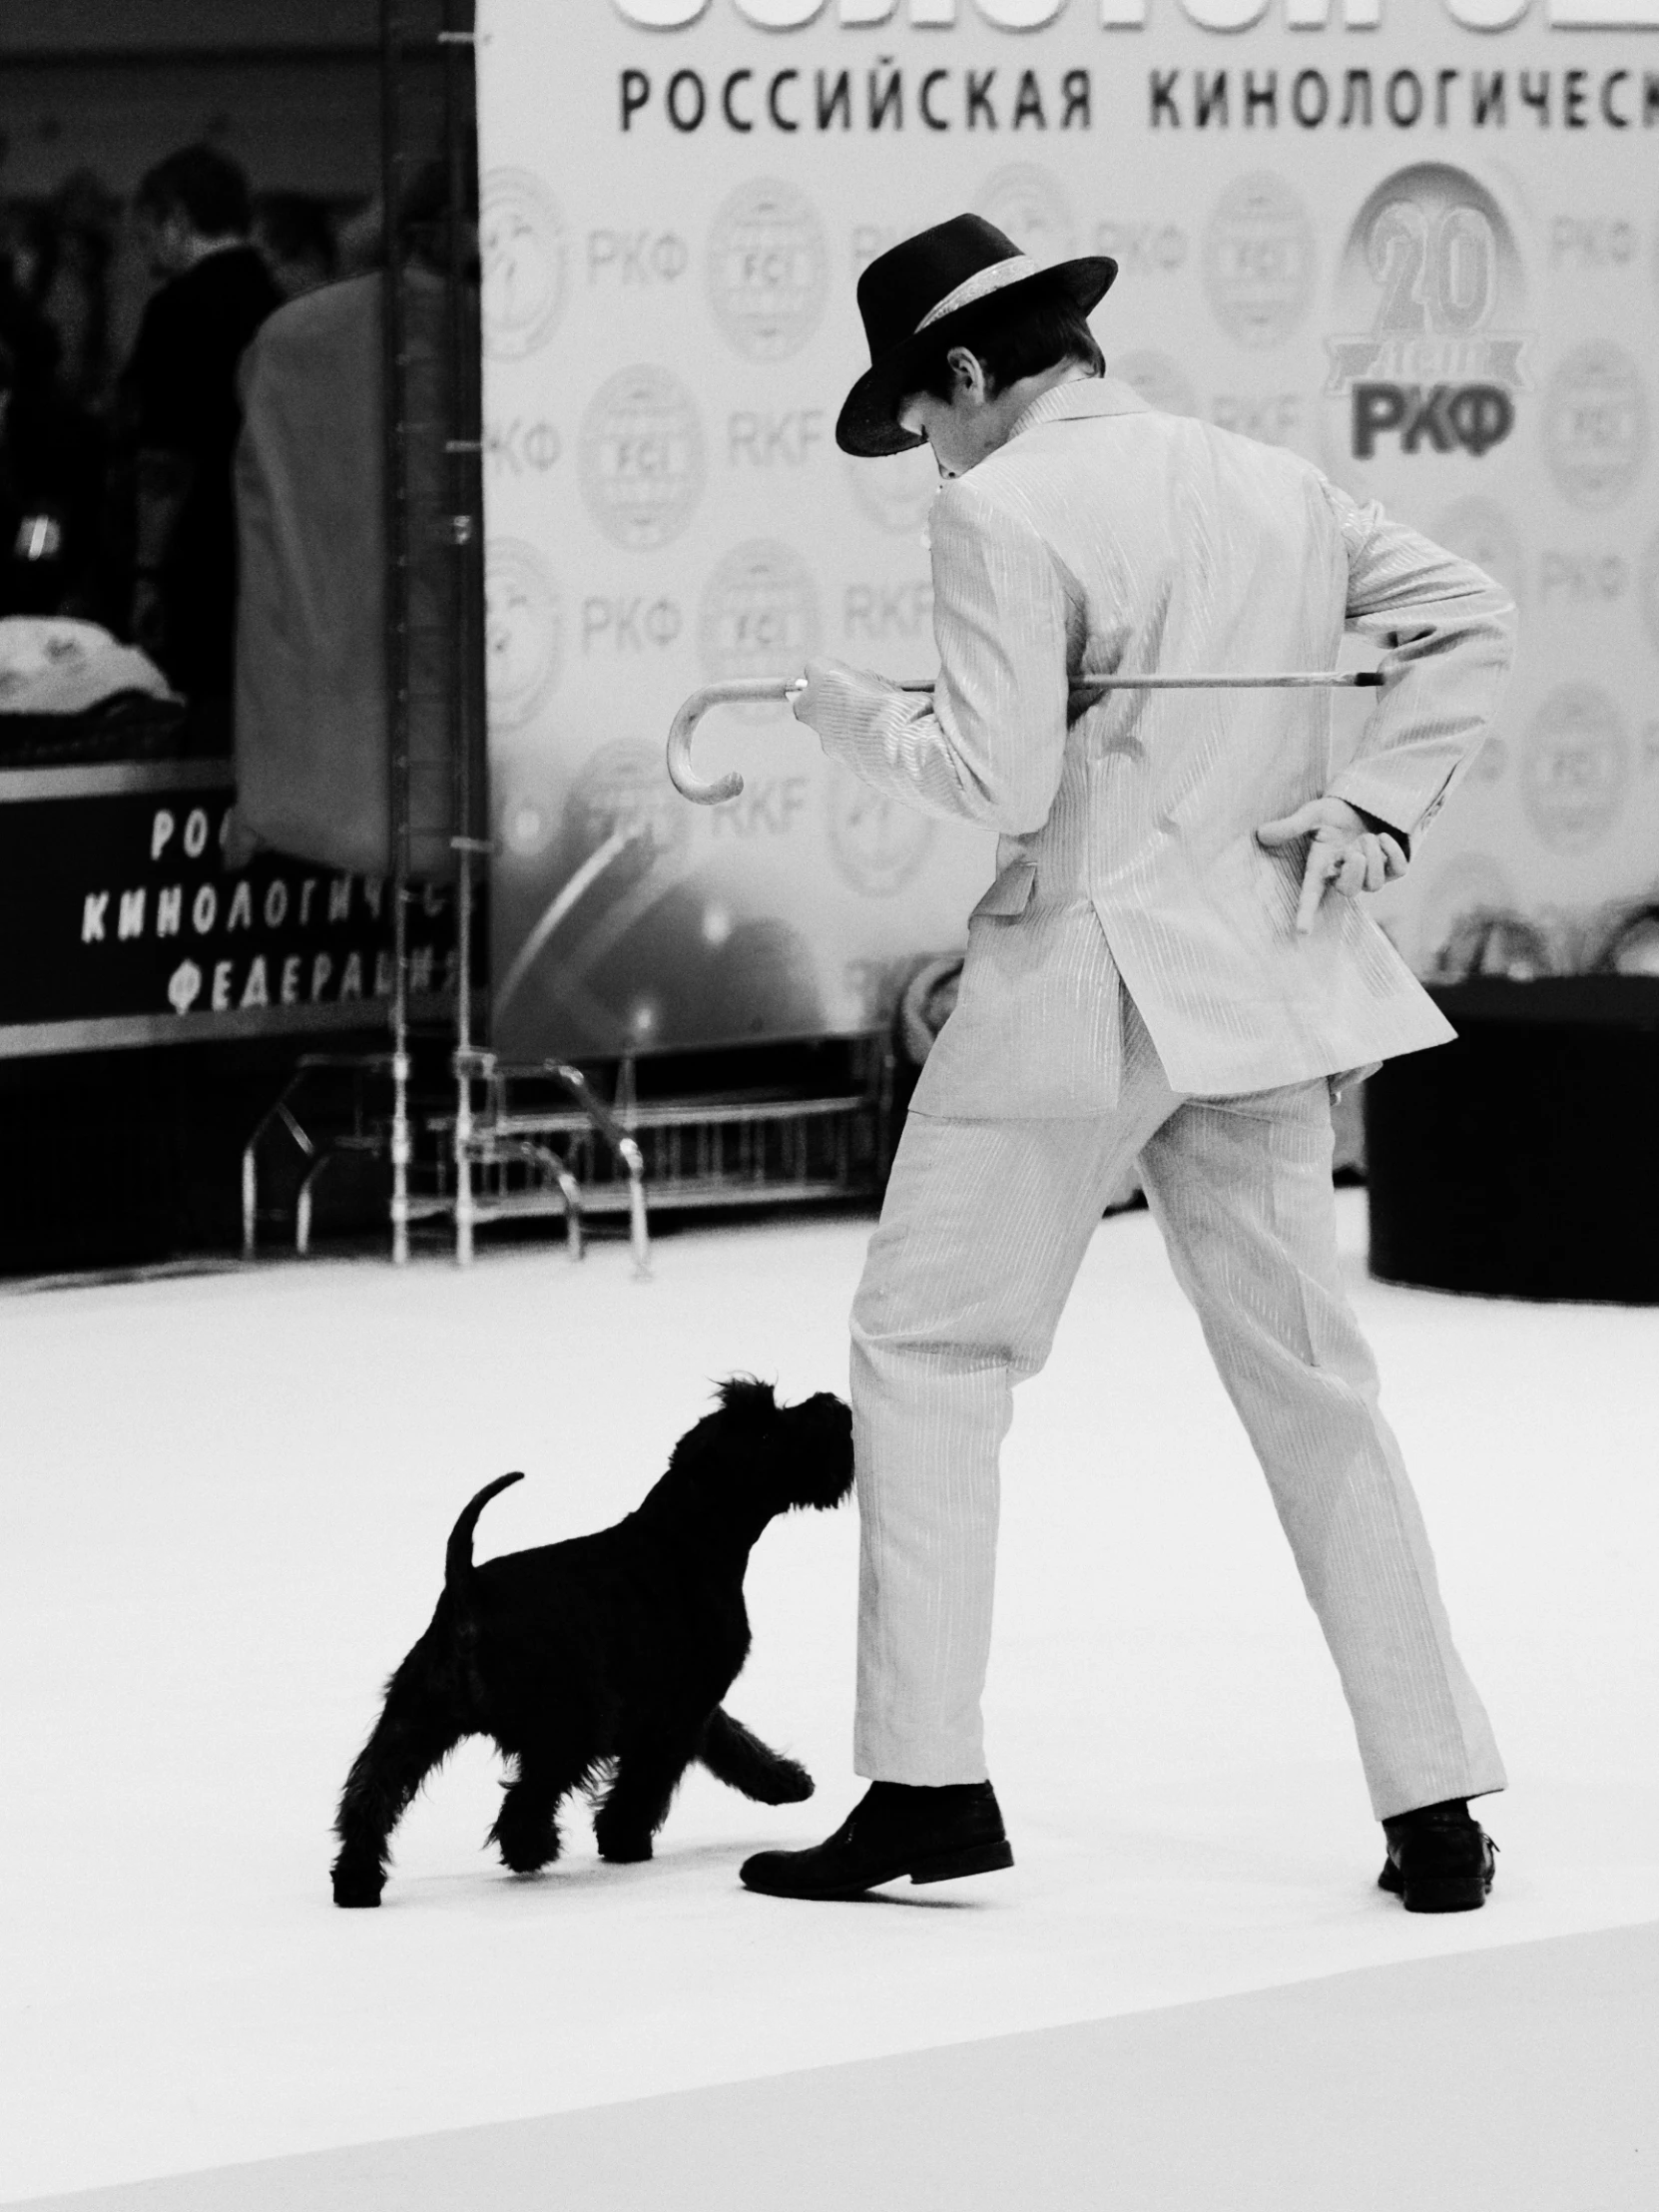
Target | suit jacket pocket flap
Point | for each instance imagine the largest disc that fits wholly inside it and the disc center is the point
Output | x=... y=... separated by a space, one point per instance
x=1011 y=892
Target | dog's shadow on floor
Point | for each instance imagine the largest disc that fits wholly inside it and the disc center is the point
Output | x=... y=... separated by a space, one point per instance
x=591 y=1878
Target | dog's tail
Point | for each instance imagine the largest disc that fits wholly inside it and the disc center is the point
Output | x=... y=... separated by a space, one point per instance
x=457 y=1560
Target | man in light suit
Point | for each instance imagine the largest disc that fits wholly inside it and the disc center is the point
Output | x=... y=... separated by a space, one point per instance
x=1157 y=973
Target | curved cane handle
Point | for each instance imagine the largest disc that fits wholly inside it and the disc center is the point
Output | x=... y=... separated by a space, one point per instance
x=687 y=782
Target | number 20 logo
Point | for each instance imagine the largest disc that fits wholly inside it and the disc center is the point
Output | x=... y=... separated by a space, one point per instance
x=1438 y=269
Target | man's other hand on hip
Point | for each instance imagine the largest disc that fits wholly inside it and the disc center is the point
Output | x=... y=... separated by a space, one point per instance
x=1343 y=854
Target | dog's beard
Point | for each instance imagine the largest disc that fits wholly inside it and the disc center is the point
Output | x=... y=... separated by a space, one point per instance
x=824 y=1474
x=831 y=1490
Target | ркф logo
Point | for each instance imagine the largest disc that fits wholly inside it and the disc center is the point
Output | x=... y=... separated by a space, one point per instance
x=769 y=267
x=1431 y=268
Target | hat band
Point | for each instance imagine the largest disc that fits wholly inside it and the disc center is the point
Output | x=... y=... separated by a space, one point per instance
x=980 y=285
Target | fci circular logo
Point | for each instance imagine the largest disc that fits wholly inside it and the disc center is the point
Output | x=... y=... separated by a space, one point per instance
x=1259 y=261
x=1479 y=530
x=1158 y=380
x=1468 y=884
x=622 y=787
x=1576 y=768
x=641 y=457
x=897 y=491
x=759 y=617
x=769 y=269
x=1595 y=425
x=522 y=261
x=1650 y=590
x=1026 y=203
x=523 y=631
x=876 y=843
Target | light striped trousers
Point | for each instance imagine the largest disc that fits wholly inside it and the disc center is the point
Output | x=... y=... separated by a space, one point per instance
x=984 y=1230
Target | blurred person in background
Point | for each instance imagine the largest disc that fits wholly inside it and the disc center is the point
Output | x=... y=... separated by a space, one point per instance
x=51 y=490
x=294 y=233
x=26 y=334
x=310 y=702
x=179 y=416
x=59 y=256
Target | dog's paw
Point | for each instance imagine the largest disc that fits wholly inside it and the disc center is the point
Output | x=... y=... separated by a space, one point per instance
x=526 y=1853
x=623 y=1851
x=784 y=1784
x=353 y=1886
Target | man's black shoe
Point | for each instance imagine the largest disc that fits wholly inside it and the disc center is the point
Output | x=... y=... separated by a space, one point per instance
x=1439 y=1860
x=930 y=1835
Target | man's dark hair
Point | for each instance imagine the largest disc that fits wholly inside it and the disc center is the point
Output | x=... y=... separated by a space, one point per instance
x=1046 y=328
x=295 y=227
x=424 y=206
x=203 y=186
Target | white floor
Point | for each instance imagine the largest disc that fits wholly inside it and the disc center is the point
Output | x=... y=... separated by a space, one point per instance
x=225 y=1509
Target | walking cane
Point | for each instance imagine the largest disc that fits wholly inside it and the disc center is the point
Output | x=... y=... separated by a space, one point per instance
x=741 y=688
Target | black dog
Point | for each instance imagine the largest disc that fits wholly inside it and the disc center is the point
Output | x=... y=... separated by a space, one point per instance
x=610 y=1651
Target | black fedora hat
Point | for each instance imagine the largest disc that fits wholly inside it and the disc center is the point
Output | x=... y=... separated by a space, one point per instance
x=911 y=297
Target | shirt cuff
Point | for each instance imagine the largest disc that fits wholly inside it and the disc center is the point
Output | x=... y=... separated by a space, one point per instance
x=1381 y=828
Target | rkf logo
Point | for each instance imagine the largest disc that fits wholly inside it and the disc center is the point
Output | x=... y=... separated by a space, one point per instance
x=1432 y=258
x=1473 y=416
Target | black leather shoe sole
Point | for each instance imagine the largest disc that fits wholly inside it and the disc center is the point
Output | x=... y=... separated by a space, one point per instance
x=781 y=1875
x=1437 y=1892
x=949 y=1865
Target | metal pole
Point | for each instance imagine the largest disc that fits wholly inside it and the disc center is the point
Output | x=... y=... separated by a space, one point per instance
x=394 y=361
x=463 y=446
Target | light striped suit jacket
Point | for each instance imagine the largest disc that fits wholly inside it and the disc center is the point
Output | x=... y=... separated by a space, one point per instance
x=1106 y=538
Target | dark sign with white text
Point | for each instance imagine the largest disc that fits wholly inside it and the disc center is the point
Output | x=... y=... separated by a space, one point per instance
x=125 y=927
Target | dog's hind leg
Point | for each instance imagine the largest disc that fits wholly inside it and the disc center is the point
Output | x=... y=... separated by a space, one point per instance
x=416 y=1730
x=739 y=1760
x=526 y=1830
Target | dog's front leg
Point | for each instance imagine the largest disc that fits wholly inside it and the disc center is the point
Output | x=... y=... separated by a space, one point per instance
x=739 y=1760
x=650 y=1761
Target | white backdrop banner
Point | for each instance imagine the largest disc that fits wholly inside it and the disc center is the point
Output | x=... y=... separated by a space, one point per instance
x=1416 y=240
